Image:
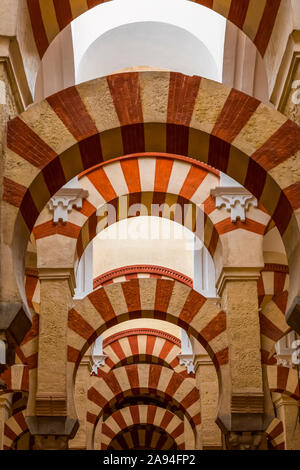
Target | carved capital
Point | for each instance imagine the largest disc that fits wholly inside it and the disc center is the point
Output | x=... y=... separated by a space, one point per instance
x=63 y=202
x=243 y=440
x=237 y=201
x=98 y=361
x=59 y=273
x=187 y=360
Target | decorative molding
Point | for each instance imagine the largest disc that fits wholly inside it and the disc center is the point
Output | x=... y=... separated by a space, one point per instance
x=63 y=202
x=237 y=200
x=247 y=402
x=98 y=361
x=140 y=331
x=237 y=274
x=136 y=269
x=59 y=274
x=187 y=360
x=51 y=405
x=279 y=268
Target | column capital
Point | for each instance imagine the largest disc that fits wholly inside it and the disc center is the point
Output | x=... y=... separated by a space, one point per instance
x=63 y=202
x=236 y=199
x=235 y=273
x=59 y=273
x=202 y=360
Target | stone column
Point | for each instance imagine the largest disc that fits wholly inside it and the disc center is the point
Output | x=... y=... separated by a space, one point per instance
x=5 y=405
x=52 y=419
x=287 y=410
x=82 y=385
x=207 y=383
x=246 y=420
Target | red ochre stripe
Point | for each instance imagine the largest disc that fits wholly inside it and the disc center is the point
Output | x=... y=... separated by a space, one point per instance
x=70 y=109
x=163 y=169
x=235 y=114
x=73 y=354
x=174 y=384
x=150 y=344
x=266 y=26
x=96 y=397
x=154 y=376
x=282 y=145
x=183 y=91
x=94 y=3
x=100 y=301
x=131 y=174
x=151 y=412
x=191 y=398
x=26 y=143
x=133 y=342
x=38 y=28
x=125 y=91
x=215 y=327
x=268 y=328
x=226 y=226
x=193 y=304
x=19 y=417
x=135 y=414
x=107 y=431
x=113 y=383
x=131 y=291
x=293 y=195
x=49 y=228
x=119 y=419
x=116 y=347
x=13 y=192
x=163 y=294
x=178 y=431
x=87 y=208
x=133 y=376
x=192 y=182
x=282 y=377
x=79 y=325
x=238 y=12
x=166 y=349
x=63 y=12
x=103 y=185
x=167 y=418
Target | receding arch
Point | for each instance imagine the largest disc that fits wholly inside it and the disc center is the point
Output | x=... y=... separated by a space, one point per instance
x=180 y=395
x=143 y=436
x=142 y=414
x=130 y=113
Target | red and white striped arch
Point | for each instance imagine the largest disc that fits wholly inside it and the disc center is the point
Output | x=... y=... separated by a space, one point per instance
x=140 y=379
x=149 y=180
x=149 y=298
x=14 y=428
x=284 y=380
x=273 y=296
x=16 y=378
x=142 y=414
x=140 y=346
x=129 y=113
x=257 y=20
x=140 y=271
x=275 y=435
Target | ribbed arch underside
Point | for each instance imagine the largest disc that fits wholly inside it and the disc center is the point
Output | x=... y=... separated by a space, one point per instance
x=143 y=437
x=49 y=17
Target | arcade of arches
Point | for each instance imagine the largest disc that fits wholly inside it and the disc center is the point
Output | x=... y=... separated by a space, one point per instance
x=150 y=225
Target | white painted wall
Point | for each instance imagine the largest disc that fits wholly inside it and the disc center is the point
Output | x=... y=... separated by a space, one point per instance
x=173 y=34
